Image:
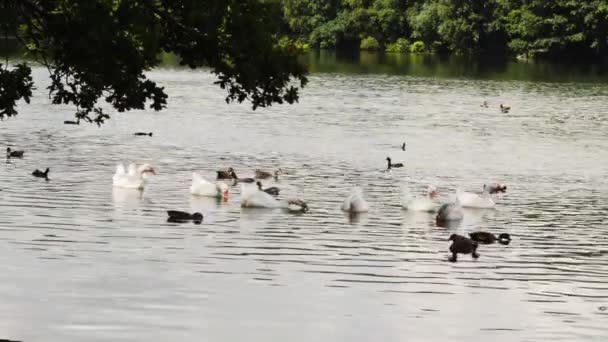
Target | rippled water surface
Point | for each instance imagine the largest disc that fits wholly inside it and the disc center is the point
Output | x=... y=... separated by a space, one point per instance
x=81 y=261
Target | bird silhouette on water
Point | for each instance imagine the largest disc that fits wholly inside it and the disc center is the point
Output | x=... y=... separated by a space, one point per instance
x=13 y=154
x=489 y=238
x=143 y=134
x=182 y=216
x=462 y=245
x=40 y=174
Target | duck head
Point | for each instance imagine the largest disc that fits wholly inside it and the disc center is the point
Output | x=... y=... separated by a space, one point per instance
x=453 y=237
x=504 y=238
x=259 y=184
x=197 y=217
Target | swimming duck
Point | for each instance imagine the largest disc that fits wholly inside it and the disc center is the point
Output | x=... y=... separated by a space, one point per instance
x=489 y=238
x=271 y=191
x=225 y=174
x=391 y=165
x=448 y=213
x=462 y=245
x=202 y=187
x=182 y=216
x=143 y=134
x=40 y=174
x=495 y=188
x=504 y=109
x=13 y=154
x=241 y=180
x=354 y=202
x=262 y=174
x=135 y=178
x=71 y=122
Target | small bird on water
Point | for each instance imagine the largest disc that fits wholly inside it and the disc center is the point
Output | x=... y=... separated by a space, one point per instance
x=182 y=216
x=40 y=174
x=143 y=134
x=71 y=122
x=504 y=109
x=403 y=146
x=462 y=245
x=13 y=154
x=489 y=238
x=391 y=165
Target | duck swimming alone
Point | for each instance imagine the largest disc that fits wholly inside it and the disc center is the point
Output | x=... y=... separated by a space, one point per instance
x=391 y=165
x=13 y=154
x=274 y=191
x=489 y=238
x=71 y=122
x=504 y=109
x=40 y=174
x=354 y=202
x=261 y=174
x=135 y=178
x=202 y=187
x=143 y=134
x=462 y=245
x=225 y=174
x=182 y=216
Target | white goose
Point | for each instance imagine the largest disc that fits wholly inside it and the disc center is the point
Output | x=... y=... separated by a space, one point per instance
x=135 y=178
x=355 y=203
x=252 y=197
x=202 y=187
x=473 y=200
x=426 y=203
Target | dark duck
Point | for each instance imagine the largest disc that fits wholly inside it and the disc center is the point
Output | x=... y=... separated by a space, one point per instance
x=495 y=188
x=489 y=238
x=274 y=191
x=225 y=174
x=72 y=122
x=241 y=180
x=462 y=245
x=13 y=154
x=40 y=174
x=182 y=216
x=143 y=134
x=391 y=165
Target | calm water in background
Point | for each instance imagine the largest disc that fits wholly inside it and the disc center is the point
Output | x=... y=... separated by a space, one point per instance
x=81 y=261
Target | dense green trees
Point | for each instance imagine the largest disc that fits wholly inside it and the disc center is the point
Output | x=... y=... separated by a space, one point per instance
x=100 y=49
x=549 y=28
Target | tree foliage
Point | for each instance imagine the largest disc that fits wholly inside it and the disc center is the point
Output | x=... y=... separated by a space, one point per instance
x=100 y=50
x=549 y=28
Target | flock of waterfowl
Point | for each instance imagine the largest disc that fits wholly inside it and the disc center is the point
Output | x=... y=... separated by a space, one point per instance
x=254 y=195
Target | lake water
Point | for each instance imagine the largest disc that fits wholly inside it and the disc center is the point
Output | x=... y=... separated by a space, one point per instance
x=83 y=262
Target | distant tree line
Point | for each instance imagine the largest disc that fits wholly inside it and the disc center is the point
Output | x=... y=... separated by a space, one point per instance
x=532 y=28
